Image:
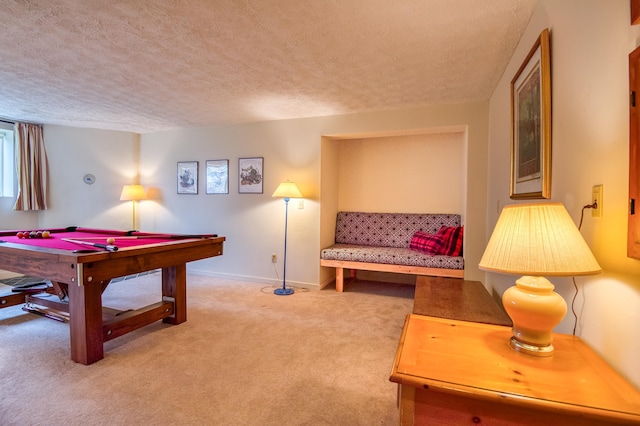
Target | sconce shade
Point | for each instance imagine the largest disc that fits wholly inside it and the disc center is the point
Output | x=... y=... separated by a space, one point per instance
x=287 y=190
x=133 y=193
x=538 y=239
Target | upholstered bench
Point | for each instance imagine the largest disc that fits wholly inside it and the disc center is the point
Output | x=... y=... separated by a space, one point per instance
x=406 y=243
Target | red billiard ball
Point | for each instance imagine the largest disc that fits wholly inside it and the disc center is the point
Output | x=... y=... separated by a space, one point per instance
x=19 y=234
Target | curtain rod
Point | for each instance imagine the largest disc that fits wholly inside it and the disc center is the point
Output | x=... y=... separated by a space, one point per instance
x=10 y=121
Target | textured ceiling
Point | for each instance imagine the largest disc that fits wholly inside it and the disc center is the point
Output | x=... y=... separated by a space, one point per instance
x=151 y=65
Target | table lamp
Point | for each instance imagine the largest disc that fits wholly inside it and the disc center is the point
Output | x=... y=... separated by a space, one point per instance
x=536 y=240
x=286 y=190
x=133 y=193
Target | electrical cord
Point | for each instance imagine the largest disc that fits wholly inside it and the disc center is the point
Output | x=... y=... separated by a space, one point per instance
x=573 y=308
x=271 y=288
x=575 y=295
x=588 y=206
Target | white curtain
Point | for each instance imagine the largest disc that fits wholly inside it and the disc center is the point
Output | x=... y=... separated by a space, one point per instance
x=31 y=160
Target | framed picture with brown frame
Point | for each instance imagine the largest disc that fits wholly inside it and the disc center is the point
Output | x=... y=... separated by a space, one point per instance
x=187 y=177
x=250 y=175
x=531 y=124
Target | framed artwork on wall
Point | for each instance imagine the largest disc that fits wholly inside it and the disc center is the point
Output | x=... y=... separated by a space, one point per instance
x=187 y=177
x=250 y=175
x=531 y=124
x=217 y=176
x=633 y=218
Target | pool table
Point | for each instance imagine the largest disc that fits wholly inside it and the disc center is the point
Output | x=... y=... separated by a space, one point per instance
x=80 y=272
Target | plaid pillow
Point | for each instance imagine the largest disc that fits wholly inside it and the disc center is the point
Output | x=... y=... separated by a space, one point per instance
x=427 y=243
x=452 y=240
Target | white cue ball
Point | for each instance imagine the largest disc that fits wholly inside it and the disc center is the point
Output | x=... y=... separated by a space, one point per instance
x=111 y=240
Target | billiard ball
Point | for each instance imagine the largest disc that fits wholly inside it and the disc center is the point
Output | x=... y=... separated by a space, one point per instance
x=38 y=234
x=32 y=234
x=19 y=234
x=111 y=240
x=46 y=234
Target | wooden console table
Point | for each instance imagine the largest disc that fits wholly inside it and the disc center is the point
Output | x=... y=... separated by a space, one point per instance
x=454 y=372
x=458 y=299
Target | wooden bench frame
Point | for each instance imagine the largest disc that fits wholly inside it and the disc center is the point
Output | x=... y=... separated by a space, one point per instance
x=340 y=266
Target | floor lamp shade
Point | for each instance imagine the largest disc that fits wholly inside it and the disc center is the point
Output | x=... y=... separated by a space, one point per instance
x=286 y=190
x=536 y=240
x=133 y=193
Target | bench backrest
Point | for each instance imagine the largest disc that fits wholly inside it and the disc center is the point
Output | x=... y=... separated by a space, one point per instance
x=388 y=229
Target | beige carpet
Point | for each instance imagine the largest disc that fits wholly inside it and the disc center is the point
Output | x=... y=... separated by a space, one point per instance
x=244 y=357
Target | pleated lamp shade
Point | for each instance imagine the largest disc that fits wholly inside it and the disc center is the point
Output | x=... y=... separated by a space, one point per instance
x=538 y=239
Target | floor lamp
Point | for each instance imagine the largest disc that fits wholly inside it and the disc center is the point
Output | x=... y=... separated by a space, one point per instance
x=133 y=193
x=286 y=190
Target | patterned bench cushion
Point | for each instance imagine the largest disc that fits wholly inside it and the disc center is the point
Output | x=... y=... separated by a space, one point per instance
x=388 y=229
x=390 y=255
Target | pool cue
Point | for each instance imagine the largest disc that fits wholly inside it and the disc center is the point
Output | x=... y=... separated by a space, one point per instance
x=107 y=247
x=124 y=237
x=176 y=237
x=142 y=237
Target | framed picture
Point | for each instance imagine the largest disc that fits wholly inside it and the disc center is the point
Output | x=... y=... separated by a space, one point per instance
x=217 y=176
x=250 y=175
x=531 y=124
x=187 y=177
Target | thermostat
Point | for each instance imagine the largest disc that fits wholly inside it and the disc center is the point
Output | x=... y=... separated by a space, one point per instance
x=89 y=179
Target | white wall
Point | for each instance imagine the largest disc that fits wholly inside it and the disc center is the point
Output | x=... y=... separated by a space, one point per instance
x=590 y=43
x=254 y=223
x=73 y=152
x=12 y=220
x=423 y=173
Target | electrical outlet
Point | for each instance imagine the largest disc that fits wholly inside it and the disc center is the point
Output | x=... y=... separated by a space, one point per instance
x=274 y=258
x=596 y=197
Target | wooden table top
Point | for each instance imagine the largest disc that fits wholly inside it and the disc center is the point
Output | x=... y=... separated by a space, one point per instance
x=458 y=299
x=475 y=360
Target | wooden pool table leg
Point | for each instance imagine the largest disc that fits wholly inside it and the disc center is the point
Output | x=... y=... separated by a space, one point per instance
x=85 y=323
x=174 y=287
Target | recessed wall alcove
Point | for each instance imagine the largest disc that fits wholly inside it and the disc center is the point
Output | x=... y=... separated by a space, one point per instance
x=413 y=171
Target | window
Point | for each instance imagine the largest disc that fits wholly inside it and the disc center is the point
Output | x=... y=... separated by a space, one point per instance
x=7 y=160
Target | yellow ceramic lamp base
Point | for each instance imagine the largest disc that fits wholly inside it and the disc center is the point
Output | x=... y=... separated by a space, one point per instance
x=535 y=310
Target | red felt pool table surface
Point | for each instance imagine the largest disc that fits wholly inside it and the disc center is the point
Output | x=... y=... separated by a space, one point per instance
x=80 y=273
x=123 y=239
